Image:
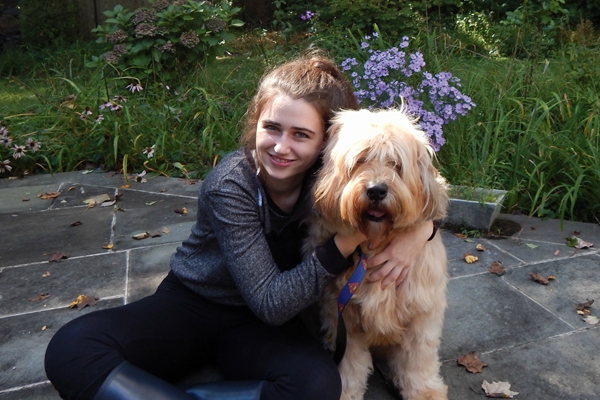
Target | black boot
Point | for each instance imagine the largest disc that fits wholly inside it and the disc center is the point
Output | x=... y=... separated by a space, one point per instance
x=227 y=390
x=128 y=382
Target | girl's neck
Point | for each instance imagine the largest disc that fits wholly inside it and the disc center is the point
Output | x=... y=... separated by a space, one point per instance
x=284 y=194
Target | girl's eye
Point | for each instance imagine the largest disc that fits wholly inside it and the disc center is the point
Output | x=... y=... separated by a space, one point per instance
x=301 y=135
x=270 y=127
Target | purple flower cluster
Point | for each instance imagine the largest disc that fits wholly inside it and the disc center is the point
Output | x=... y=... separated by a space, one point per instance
x=394 y=76
x=307 y=15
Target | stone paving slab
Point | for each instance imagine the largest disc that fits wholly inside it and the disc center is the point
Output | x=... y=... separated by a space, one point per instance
x=23 y=342
x=559 y=367
x=101 y=276
x=528 y=333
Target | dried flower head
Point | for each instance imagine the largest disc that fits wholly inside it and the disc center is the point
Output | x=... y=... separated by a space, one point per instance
x=120 y=49
x=189 y=39
x=216 y=24
x=134 y=87
x=140 y=15
x=145 y=29
x=111 y=57
x=119 y=99
x=159 y=5
x=99 y=119
x=170 y=47
x=117 y=36
x=149 y=151
x=3 y=131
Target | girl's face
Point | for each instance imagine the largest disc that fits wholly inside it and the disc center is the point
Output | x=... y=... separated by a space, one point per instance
x=289 y=137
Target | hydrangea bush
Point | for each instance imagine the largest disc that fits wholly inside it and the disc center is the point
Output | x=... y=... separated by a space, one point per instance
x=167 y=35
x=395 y=76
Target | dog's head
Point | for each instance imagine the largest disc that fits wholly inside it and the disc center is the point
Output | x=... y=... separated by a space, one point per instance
x=378 y=174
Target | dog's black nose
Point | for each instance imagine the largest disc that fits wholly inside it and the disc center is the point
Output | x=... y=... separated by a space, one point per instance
x=377 y=192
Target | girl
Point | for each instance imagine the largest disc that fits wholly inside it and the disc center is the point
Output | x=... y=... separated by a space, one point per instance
x=238 y=282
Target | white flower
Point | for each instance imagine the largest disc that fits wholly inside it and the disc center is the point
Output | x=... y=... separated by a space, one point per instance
x=4 y=166
x=99 y=119
x=140 y=177
x=134 y=87
x=18 y=151
x=33 y=145
x=149 y=151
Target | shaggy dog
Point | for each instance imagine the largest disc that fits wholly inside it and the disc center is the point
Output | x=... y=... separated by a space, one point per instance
x=378 y=177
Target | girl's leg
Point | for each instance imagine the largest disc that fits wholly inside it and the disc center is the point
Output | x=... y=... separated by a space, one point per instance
x=167 y=334
x=292 y=364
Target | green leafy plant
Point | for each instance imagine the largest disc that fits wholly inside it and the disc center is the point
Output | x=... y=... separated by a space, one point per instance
x=45 y=22
x=166 y=37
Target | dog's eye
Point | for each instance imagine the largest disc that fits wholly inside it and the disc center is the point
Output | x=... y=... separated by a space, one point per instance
x=398 y=168
x=361 y=161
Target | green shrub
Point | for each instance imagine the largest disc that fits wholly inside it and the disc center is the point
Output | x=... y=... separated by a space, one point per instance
x=166 y=38
x=45 y=22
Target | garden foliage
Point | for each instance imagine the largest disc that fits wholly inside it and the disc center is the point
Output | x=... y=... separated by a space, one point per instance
x=44 y=22
x=168 y=37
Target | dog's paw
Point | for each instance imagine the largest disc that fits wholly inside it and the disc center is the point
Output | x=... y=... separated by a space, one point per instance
x=431 y=394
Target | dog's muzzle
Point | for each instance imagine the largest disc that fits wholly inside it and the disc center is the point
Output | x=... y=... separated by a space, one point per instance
x=377 y=192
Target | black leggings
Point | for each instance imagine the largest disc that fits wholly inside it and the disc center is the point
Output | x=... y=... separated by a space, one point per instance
x=174 y=332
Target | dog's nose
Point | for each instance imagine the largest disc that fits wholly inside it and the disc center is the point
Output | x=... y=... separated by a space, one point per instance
x=377 y=192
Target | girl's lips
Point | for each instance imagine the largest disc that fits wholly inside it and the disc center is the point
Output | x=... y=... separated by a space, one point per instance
x=280 y=161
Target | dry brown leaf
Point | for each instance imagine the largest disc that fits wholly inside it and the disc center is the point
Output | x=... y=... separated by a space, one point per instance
x=191 y=181
x=538 y=278
x=141 y=236
x=155 y=234
x=591 y=319
x=108 y=246
x=93 y=201
x=497 y=268
x=182 y=211
x=125 y=186
x=83 y=301
x=41 y=296
x=471 y=362
x=470 y=259
x=56 y=257
x=76 y=223
x=498 y=390
x=46 y=274
x=165 y=230
x=582 y=244
x=26 y=199
x=49 y=195
x=108 y=203
x=460 y=235
x=586 y=305
x=44 y=327
x=557 y=252
x=72 y=188
x=480 y=247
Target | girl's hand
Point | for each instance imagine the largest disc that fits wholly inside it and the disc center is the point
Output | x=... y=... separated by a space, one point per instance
x=392 y=264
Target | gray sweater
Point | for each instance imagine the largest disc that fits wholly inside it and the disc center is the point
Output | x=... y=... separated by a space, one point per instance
x=243 y=250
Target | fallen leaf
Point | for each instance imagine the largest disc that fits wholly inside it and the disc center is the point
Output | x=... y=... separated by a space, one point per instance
x=469 y=240
x=141 y=236
x=557 y=252
x=46 y=274
x=497 y=268
x=165 y=230
x=42 y=296
x=182 y=211
x=87 y=171
x=191 y=181
x=538 y=278
x=93 y=201
x=108 y=246
x=471 y=362
x=56 y=257
x=151 y=203
x=83 y=301
x=498 y=390
x=591 y=319
x=460 y=235
x=470 y=259
x=576 y=233
x=531 y=246
x=586 y=305
x=49 y=195
x=72 y=188
x=44 y=327
x=582 y=244
x=480 y=247
x=25 y=199
x=155 y=234
x=76 y=223
x=108 y=203
x=125 y=186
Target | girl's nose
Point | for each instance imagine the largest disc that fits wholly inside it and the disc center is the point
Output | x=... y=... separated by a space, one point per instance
x=282 y=144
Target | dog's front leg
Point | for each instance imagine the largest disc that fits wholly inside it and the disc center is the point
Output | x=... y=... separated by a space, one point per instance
x=355 y=368
x=415 y=362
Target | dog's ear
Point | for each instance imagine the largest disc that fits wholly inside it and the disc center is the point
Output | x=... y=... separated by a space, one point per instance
x=328 y=186
x=435 y=196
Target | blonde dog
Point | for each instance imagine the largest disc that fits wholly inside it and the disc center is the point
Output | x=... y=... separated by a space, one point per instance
x=378 y=177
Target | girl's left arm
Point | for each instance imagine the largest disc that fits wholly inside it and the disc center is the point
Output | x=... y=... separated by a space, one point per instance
x=392 y=264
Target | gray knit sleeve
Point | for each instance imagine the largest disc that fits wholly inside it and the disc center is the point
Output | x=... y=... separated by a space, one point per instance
x=274 y=296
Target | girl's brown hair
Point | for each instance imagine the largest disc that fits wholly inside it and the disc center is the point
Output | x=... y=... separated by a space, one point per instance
x=313 y=78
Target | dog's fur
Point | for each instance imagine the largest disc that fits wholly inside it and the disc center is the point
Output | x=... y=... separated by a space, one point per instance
x=378 y=177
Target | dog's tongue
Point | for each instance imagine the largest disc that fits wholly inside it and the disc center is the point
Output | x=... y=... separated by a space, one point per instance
x=376 y=213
